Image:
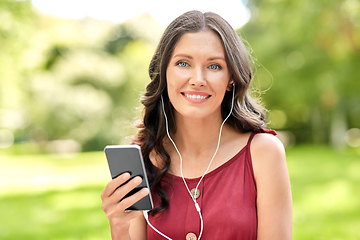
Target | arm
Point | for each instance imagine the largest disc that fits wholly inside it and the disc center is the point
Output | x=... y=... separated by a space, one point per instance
x=124 y=225
x=274 y=204
x=138 y=227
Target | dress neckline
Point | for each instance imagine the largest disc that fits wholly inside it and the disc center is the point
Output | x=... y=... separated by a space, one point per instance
x=216 y=170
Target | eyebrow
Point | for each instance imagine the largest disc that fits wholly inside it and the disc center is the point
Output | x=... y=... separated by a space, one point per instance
x=190 y=57
x=213 y=58
x=183 y=55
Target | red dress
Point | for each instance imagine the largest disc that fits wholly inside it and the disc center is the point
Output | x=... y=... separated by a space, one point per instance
x=227 y=201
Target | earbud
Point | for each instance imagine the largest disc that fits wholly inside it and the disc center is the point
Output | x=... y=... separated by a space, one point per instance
x=230 y=85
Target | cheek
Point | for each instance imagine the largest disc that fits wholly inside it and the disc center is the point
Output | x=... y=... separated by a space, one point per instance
x=175 y=79
x=220 y=75
x=219 y=81
x=170 y=76
x=172 y=86
x=176 y=74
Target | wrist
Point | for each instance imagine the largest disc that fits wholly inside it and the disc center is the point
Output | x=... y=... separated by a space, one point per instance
x=120 y=230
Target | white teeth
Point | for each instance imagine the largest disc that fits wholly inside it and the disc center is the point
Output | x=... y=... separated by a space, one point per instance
x=195 y=96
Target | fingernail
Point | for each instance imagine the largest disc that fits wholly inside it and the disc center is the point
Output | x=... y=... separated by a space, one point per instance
x=137 y=180
x=126 y=175
x=144 y=191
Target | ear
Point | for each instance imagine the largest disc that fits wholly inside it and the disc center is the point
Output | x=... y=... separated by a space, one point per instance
x=230 y=85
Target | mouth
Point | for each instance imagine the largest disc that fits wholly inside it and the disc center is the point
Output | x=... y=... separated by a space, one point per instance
x=196 y=96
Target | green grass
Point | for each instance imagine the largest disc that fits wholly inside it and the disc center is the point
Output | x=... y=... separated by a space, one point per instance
x=55 y=215
x=325 y=185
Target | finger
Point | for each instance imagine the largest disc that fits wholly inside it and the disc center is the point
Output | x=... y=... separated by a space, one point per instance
x=124 y=216
x=118 y=209
x=121 y=192
x=129 y=201
x=114 y=184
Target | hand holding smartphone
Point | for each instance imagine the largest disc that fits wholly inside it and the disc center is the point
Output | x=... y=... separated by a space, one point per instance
x=128 y=158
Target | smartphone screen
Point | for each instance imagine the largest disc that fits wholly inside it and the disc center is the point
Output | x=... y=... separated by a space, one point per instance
x=128 y=158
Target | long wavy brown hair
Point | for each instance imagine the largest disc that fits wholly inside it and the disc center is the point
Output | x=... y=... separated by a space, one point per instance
x=247 y=115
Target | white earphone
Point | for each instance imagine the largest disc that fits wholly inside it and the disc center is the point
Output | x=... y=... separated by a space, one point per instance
x=182 y=176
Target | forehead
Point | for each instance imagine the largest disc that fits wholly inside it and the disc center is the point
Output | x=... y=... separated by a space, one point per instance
x=203 y=42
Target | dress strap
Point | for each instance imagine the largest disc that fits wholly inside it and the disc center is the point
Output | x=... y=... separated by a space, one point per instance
x=261 y=130
x=251 y=137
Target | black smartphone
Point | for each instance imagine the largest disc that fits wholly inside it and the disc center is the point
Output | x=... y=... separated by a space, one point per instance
x=128 y=158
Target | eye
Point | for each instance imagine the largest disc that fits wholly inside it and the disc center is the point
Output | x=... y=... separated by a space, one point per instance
x=215 y=66
x=182 y=64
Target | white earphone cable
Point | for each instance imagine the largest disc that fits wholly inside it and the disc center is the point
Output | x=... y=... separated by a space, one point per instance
x=147 y=220
x=181 y=172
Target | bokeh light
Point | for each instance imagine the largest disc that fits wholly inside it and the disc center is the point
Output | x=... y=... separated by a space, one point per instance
x=352 y=137
x=277 y=118
x=6 y=138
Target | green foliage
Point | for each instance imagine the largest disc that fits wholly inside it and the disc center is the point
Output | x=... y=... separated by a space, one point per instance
x=120 y=38
x=308 y=55
x=66 y=79
x=69 y=79
x=15 y=25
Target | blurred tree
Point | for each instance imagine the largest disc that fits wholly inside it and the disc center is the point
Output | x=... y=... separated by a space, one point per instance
x=81 y=79
x=308 y=53
x=87 y=88
x=69 y=79
x=74 y=95
x=16 y=18
x=119 y=39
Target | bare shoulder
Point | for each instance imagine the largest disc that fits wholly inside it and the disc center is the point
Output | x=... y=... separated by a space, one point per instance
x=267 y=143
x=267 y=154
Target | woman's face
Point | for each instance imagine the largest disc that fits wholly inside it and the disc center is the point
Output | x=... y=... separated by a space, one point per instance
x=197 y=75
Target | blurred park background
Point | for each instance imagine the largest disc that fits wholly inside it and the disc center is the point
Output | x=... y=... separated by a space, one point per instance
x=69 y=87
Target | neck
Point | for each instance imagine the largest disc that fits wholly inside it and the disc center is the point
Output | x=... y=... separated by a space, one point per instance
x=196 y=138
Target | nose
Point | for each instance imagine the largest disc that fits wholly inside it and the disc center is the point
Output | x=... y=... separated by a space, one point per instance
x=198 y=78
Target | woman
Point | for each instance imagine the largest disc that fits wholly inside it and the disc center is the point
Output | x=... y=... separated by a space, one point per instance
x=214 y=172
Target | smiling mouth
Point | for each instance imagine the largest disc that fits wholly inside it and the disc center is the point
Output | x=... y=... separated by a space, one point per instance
x=194 y=96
